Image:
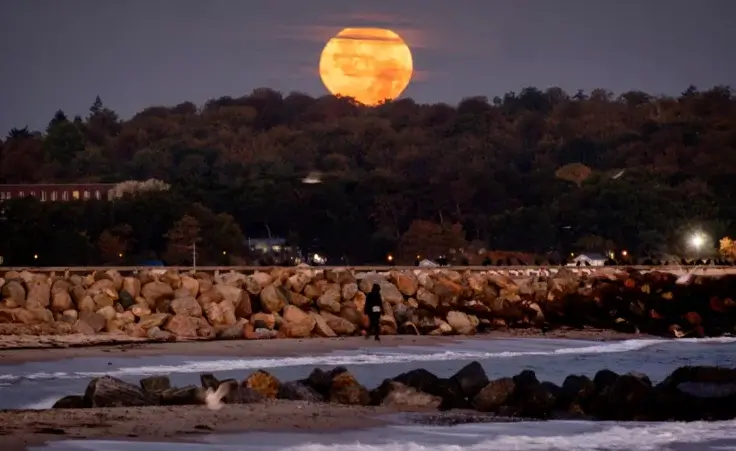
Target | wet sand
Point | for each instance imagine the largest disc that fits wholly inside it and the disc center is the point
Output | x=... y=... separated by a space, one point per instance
x=21 y=349
x=22 y=428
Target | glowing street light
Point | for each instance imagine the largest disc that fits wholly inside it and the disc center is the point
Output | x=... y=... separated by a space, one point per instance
x=624 y=253
x=697 y=241
x=390 y=258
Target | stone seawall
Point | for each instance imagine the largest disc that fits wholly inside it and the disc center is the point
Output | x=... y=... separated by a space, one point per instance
x=688 y=394
x=169 y=304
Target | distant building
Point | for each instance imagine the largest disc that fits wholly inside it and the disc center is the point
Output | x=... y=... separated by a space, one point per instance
x=265 y=245
x=273 y=251
x=55 y=192
x=588 y=259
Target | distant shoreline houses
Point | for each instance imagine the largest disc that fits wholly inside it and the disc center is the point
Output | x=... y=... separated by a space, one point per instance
x=58 y=192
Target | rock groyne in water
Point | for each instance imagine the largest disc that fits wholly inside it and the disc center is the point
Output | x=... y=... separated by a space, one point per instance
x=688 y=394
x=305 y=302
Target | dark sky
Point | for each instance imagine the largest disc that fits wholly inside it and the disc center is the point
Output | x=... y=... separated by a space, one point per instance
x=137 y=53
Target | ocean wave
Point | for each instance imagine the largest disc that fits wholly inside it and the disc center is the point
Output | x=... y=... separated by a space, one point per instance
x=378 y=357
x=646 y=437
x=549 y=436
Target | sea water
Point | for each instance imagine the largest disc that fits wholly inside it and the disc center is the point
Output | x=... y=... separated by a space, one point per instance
x=39 y=384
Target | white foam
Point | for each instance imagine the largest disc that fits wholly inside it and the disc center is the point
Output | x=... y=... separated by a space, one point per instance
x=651 y=437
x=45 y=403
x=549 y=436
x=367 y=358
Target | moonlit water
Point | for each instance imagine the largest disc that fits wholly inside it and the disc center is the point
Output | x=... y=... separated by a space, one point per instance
x=39 y=384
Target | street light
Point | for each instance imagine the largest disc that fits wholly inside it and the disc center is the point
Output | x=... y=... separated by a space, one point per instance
x=35 y=256
x=697 y=241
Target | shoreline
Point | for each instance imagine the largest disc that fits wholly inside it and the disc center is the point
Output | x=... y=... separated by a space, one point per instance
x=20 y=429
x=73 y=346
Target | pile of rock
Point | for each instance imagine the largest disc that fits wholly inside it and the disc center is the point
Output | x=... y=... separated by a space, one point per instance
x=304 y=302
x=688 y=394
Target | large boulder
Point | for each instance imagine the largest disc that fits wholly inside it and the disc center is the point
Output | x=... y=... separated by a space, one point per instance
x=329 y=301
x=447 y=389
x=263 y=383
x=155 y=384
x=155 y=291
x=461 y=323
x=299 y=391
x=345 y=389
x=339 y=325
x=187 y=306
x=396 y=394
x=182 y=396
x=272 y=299
x=108 y=391
x=471 y=379
x=182 y=326
x=494 y=395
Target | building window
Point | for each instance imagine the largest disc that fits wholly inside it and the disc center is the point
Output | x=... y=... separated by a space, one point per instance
x=21 y=194
x=109 y=194
x=33 y=194
x=53 y=196
x=86 y=194
x=97 y=194
x=43 y=196
x=8 y=195
x=2 y=196
x=75 y=195
x=65 y=195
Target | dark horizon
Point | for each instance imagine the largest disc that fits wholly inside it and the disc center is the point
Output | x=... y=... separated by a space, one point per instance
x=135 y=55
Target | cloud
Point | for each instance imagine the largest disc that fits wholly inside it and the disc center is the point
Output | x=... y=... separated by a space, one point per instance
x=414 y=37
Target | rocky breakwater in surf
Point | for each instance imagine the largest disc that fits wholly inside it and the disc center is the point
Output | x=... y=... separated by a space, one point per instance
x=306 y=302
x=688 y=394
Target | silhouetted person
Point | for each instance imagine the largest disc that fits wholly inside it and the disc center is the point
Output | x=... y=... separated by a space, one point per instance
x=374 y=309
x=416 y=261
x=487 y=261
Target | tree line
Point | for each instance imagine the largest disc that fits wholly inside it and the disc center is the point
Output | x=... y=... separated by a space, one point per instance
x=541 y=172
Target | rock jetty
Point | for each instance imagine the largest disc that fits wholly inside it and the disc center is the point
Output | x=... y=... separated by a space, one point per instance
x=305 y=302
x=688 y=394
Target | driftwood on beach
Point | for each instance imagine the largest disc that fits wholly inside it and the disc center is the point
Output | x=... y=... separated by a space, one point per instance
x=688 y=394
x=305 y=302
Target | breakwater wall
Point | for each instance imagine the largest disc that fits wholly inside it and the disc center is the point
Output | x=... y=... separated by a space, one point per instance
x=687 y=394
x=300 y=302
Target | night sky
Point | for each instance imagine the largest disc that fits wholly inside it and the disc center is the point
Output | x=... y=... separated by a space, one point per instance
x=137 y=53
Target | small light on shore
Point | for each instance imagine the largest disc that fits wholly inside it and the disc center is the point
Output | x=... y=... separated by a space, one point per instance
x=624 y=253
x=224 y=252
x=390 y=257
x=35 y=256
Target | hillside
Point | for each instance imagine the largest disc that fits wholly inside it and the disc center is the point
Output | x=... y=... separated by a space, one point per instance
x=537 y=171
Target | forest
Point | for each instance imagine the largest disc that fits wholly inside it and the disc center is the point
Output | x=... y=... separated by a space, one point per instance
x=542 y=172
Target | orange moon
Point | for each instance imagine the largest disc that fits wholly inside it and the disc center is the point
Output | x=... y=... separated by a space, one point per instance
x=368 y=64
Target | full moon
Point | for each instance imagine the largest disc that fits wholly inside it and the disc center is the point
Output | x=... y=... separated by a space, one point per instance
x=368 y=64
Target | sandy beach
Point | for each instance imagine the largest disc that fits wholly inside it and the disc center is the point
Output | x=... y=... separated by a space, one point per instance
x=22 y=428
x=19 y=349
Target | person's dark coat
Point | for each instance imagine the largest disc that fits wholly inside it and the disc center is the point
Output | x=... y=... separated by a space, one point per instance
x=373 y=299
